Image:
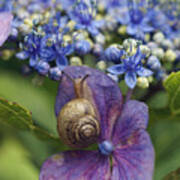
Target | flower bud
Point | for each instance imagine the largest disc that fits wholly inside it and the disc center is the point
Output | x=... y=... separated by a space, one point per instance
x=101 y=65
x=158 y=52
x=167 y=44
x=153 y=63
x=113 y=53
x=42 y=67
x=82 y=47
x=106 y=147
x=130 y=45
x=55 y=73
x=6 y=54
x=100 y=38
x=158 y=37
x=98 y=50
x=122 y=30
x=170 y=55
x=152 y=45
x=145 y=50
x=142 y=82
x=75 y=61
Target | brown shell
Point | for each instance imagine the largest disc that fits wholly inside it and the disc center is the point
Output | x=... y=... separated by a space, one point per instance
x=78 y=126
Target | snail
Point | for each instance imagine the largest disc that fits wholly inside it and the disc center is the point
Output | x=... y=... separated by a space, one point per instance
x=78 y=125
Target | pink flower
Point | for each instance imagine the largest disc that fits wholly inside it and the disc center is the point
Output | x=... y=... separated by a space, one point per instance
x=5 y=26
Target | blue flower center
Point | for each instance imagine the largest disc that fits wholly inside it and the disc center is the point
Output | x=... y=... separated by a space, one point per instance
x=106 y=148
x=136 y=16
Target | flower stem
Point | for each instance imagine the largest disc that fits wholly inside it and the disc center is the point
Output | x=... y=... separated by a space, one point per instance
x=129 y=94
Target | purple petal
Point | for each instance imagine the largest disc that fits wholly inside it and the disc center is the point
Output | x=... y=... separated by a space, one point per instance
x=134 y=116
x=76 y=165
x=130 y=79
x=5 y=26
x=117 y=69
x=144 y=72
x=99 y=89
x=135 y=160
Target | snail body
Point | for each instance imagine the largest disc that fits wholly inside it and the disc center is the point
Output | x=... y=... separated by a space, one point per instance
x=78 y=125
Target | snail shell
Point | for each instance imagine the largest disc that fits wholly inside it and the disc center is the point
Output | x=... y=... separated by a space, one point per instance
x=78 y=125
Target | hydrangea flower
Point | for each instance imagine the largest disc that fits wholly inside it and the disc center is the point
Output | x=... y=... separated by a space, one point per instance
x=138 y=22
x=5 y=24
x=45 y=44
x=131 y=66
x=123 y=139
x=83 y=13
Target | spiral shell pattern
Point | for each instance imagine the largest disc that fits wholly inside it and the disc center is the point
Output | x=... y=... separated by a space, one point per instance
x=77 y=124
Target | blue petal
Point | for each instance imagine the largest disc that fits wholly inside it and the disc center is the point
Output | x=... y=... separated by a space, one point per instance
x=146 y=28
x=138 y=56
x=22 y=55
x=33 y=61
x=93 y=30
x=61 y=62
x=117 y=69
x=130 y=79
x=68 y=49
x=131 y=29
x=144 y=72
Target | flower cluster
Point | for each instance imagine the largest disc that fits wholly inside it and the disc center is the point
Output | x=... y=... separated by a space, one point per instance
x=55 y=34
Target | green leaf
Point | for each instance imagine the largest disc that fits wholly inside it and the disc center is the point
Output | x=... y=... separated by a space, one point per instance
x=38 y=99
x=175 y=175
x=44 y=135
x=165 y=136
x=158 y=101
x=15 y=115
x=172 y=85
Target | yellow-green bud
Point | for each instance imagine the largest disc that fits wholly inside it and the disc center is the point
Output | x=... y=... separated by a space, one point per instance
x=158 y=37
x=71 y=24
x=75 y=61
x=145 y=50
x=122 y=30
x=130 y=45
x=170 y=55
x=28 y=22
x=150 y=79
x=142 y=82
x=6 y=54
x=101 y=65
x=67 y=38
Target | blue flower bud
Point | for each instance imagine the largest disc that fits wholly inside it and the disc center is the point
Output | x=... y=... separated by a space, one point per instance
x=55 y=73
x=42 y=67
x=106 y=148
x=82 y=47
x=113 y=54
x=153 y=63
x=98 y=50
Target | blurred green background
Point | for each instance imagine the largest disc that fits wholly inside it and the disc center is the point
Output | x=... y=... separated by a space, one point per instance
x=22 y=153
